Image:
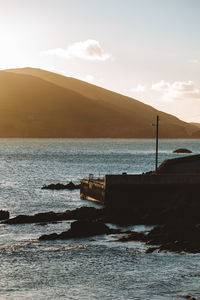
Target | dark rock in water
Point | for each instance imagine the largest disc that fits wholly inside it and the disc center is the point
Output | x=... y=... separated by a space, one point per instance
x=37 y=218
x=133 y=236
x=42 y=224
x=89 y=227
x=60 y=186
x=151 y=249
x=176 y=238
x=173 y=238
x=80 y=229
x=76 y=214
x=84 y=212
x=182 y=150
x=52 y=236
x=189 y=297
x=4 y=214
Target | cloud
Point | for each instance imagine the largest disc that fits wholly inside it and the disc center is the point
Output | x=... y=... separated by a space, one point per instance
x=194 y=61
x=177 y=90
x=161 y=86
x=88 y=50
x=139 y=89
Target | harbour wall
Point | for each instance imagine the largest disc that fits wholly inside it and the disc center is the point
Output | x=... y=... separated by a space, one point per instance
x=128 y=191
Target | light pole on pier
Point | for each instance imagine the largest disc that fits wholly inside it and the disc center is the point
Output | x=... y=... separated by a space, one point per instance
x=157 y=126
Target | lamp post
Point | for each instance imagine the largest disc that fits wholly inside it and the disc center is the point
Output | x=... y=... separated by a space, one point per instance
x=157 y=125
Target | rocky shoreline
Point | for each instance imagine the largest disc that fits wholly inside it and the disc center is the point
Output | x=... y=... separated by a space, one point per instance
x=176 y=223
x=168 y=238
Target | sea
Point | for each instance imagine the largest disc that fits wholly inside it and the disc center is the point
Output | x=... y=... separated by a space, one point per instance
x=91 y=268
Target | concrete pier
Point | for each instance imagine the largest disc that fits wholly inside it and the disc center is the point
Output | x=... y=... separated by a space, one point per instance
x=173 y=178
x=128 y=188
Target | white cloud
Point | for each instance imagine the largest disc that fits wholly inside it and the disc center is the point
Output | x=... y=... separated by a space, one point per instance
x=89 y=50
x=177 y=90
x=138 y=89
x=194 y=61
x=161 y=86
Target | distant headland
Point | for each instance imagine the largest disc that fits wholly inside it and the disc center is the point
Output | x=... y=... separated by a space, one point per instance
x=39 y=104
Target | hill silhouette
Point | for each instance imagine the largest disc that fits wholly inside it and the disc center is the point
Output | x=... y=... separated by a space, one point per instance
x=37 y=103
x=195 y=124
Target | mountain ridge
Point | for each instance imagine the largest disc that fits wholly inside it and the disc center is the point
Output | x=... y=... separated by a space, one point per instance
x=39 y=103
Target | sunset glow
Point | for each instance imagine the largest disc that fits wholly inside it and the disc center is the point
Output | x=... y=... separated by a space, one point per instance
x=147 y=49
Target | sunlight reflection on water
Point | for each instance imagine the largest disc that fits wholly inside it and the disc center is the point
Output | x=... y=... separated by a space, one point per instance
x=95 y=268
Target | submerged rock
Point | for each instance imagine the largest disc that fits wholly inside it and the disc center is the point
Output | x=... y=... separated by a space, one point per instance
x=182 y=150
x=80 y=229
x=60 y=186
x=4 y=214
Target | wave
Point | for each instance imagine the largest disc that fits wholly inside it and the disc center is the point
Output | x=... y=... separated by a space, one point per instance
x=18 y=245
x=68 y=247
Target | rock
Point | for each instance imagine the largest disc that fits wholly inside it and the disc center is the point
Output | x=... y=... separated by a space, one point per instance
x=133 y=236
x=189 y=297
x=52 y=236
x=89 y=228
x=182 y=150
x=186 y=296
x=4 y=214
x=176 y=237
x=41 y=224
x=37 y=218
x=76 y=214
x=81 y=229
x=60 y=186
x=89 y=213
x=151 y=249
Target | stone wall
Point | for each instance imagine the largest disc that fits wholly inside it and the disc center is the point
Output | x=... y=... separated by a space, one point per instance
x=143 y=191
x=92 y=190
x=114 y=180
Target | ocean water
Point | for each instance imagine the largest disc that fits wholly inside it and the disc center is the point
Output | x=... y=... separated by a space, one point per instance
x=94 y=268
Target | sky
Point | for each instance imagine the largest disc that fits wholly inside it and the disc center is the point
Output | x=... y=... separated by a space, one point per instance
x=146 y=49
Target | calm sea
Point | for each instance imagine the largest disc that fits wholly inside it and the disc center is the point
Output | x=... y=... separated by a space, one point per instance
x=95 y=268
